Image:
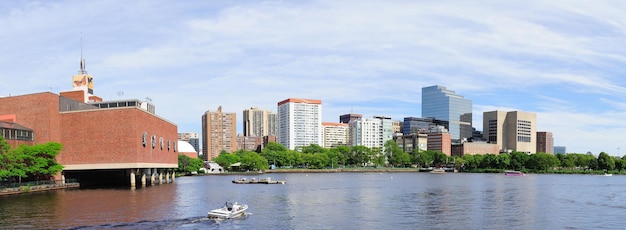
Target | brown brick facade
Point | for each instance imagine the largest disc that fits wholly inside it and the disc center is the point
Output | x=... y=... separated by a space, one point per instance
x=96 y=138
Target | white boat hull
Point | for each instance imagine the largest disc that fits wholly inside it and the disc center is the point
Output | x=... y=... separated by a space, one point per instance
x=223 y=213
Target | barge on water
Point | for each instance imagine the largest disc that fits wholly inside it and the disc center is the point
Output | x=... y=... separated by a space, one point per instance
x=267 y=180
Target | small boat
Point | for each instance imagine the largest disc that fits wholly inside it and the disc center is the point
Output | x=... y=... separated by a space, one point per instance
x=228 y=211
x=608 y=174
x=438 y=171
x=514 y=173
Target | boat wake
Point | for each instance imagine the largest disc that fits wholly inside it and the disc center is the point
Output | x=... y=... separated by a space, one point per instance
x=201 y=222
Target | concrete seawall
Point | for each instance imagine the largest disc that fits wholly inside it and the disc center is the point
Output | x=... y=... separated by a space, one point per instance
x=36 y=188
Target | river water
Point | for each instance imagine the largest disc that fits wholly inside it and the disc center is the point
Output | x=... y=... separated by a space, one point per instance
x=336 y=201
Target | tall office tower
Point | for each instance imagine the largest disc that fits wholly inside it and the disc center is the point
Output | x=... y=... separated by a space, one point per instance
x=335 y=134
x=219 y=132
x=299 y=122
x=545 y=142
x=559 y=149
x=347 y=118
x=512 y=131
x=370 y=132
x=191 y=138
x=443 y=104
x=259 y=123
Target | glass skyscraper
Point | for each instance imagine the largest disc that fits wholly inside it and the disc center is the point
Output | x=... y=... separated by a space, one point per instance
x=443 y=104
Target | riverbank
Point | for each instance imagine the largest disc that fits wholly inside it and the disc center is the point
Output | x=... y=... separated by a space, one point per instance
x=36 y=188
x=342 y=170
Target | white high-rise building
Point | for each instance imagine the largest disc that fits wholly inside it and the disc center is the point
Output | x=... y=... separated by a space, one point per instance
x=299 y=122
x=370 y=132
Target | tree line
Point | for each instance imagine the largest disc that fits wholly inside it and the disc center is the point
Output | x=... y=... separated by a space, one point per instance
x=28 y=163
x=316 y=157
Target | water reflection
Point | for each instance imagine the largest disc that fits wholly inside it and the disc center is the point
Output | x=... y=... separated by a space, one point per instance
x=336 y=201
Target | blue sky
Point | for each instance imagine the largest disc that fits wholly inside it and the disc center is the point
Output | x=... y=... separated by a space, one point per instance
x=563 y=60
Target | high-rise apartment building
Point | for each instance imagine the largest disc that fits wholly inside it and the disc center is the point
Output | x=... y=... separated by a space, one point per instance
x=545 y=142
x=219 y=132
x=335 y=134
x=370 y=132
x=299 y=122
x=512 y=131
x=259 y=123
x=347 y=118
x=192 y=138
x=443 y=104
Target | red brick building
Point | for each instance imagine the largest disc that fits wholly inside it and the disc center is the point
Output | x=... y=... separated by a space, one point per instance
x=121 y=139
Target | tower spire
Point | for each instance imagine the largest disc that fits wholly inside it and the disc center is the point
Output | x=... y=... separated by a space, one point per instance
x=82 y=60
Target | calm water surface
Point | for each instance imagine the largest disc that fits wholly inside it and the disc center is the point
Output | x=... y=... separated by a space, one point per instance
x=336 y=201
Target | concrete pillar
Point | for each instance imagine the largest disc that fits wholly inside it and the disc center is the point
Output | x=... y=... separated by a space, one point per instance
x=160 y=176
x=173 y=176
x=143 y=178
x=132 y=178
x=152 y=172
x=63 y=179
x=167 y=177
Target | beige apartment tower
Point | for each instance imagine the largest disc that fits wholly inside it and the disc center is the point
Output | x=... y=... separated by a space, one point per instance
x=511 y=131
x=259 y=123
x=219 y=132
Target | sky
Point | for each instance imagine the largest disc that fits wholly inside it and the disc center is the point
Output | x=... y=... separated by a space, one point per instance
x=563 y=60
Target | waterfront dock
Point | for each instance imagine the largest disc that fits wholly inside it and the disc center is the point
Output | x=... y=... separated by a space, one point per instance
x=253 y=180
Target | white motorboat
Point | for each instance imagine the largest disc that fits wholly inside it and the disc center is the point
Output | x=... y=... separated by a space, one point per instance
x=228 y=211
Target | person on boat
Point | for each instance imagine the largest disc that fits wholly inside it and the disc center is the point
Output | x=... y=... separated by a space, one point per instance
x=236 y=206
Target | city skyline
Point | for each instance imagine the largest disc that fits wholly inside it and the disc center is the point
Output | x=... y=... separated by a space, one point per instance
x=560 y=60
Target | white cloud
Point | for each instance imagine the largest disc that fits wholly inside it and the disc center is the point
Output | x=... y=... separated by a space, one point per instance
x=369 y=57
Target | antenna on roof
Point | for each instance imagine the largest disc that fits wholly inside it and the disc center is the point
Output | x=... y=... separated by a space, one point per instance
x=82 y=60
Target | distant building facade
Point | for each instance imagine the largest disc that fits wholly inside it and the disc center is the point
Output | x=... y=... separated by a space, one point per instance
x=442 y=104
x=192 y=138
x=560 y=149
x=299 y=122
x=258 y=122
x=475 y=148
x=440 y=142
x=396 y=126
x=335 y=134
x=545 y=142
x=219 y=133
x=411 y=142
x=347 y=118
x=249 y=143
x=413 y=125
x=512 y=131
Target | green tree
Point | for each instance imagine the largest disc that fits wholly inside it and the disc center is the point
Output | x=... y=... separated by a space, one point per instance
x=313 y=148
x=252 y=161
x=423 y=158
x=37 y=162
x=518 y=160
x=542 y=161
x=568 y=160
x=470 y=162
x=606 y=162
x=226 y=160
x=360 y=155
x=504 y=161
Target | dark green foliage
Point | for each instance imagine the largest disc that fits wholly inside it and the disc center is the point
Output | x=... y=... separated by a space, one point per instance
x=187 y=165
x=29 y=163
